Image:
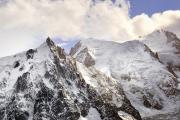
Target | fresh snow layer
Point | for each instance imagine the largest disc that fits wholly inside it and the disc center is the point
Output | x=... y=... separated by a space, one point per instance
x=166 y=44
x=135 y=68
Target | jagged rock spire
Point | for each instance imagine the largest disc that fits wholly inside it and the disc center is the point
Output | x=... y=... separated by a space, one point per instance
x=50 y=42
x=55 y=49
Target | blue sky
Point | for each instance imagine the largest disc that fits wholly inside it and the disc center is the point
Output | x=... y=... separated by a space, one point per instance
x=153 y=6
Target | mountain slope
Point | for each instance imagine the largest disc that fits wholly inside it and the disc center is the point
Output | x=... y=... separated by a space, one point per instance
x=167 y=46
x=148 y=84
x=44 y=84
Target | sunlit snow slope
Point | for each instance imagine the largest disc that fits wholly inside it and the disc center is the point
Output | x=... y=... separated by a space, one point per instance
x=166 y=44
x=149 y=84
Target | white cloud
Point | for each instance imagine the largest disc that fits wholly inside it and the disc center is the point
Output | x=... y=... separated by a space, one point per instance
x=168 y=20
x=25 y=23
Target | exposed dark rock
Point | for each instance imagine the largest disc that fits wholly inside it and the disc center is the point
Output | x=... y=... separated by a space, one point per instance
x=72 y=115
x=152 y=103
x=58 y=106
x=84 y=109
x=21 y=115
x=3 y=83
x=146 y=102
x=155 y=55
x=45 y=93
x=30 y=53
x=2 y=113
x=13 y=112
x=88 y=60
x=50 y=42
x=170 y=69
x=55 y=49
x=21 y=68
x=16 y=64
x=22 y=82
x=61 y=53
x=128 y=108
x=126 y=77
x=28 y=97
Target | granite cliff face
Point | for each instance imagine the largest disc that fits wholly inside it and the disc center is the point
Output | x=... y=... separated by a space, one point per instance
x=45 y=84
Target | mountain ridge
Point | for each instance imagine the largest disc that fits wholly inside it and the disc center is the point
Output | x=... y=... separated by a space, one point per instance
x=44 y=83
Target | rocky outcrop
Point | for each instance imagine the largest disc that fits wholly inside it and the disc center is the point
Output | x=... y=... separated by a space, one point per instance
x=30 y=53
x=85 y=58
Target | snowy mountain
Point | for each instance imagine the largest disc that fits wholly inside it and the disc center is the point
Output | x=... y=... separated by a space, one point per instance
x=99 y=80
x=167 y=46
x=150 y=86
x=44 y=84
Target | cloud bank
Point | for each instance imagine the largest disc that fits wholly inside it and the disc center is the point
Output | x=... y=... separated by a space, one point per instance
x=26 y=23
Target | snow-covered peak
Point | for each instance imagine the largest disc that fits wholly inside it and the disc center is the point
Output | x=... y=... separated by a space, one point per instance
x=166 y=44
x=146 y=81
x=157 y=41
x=108 y=54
